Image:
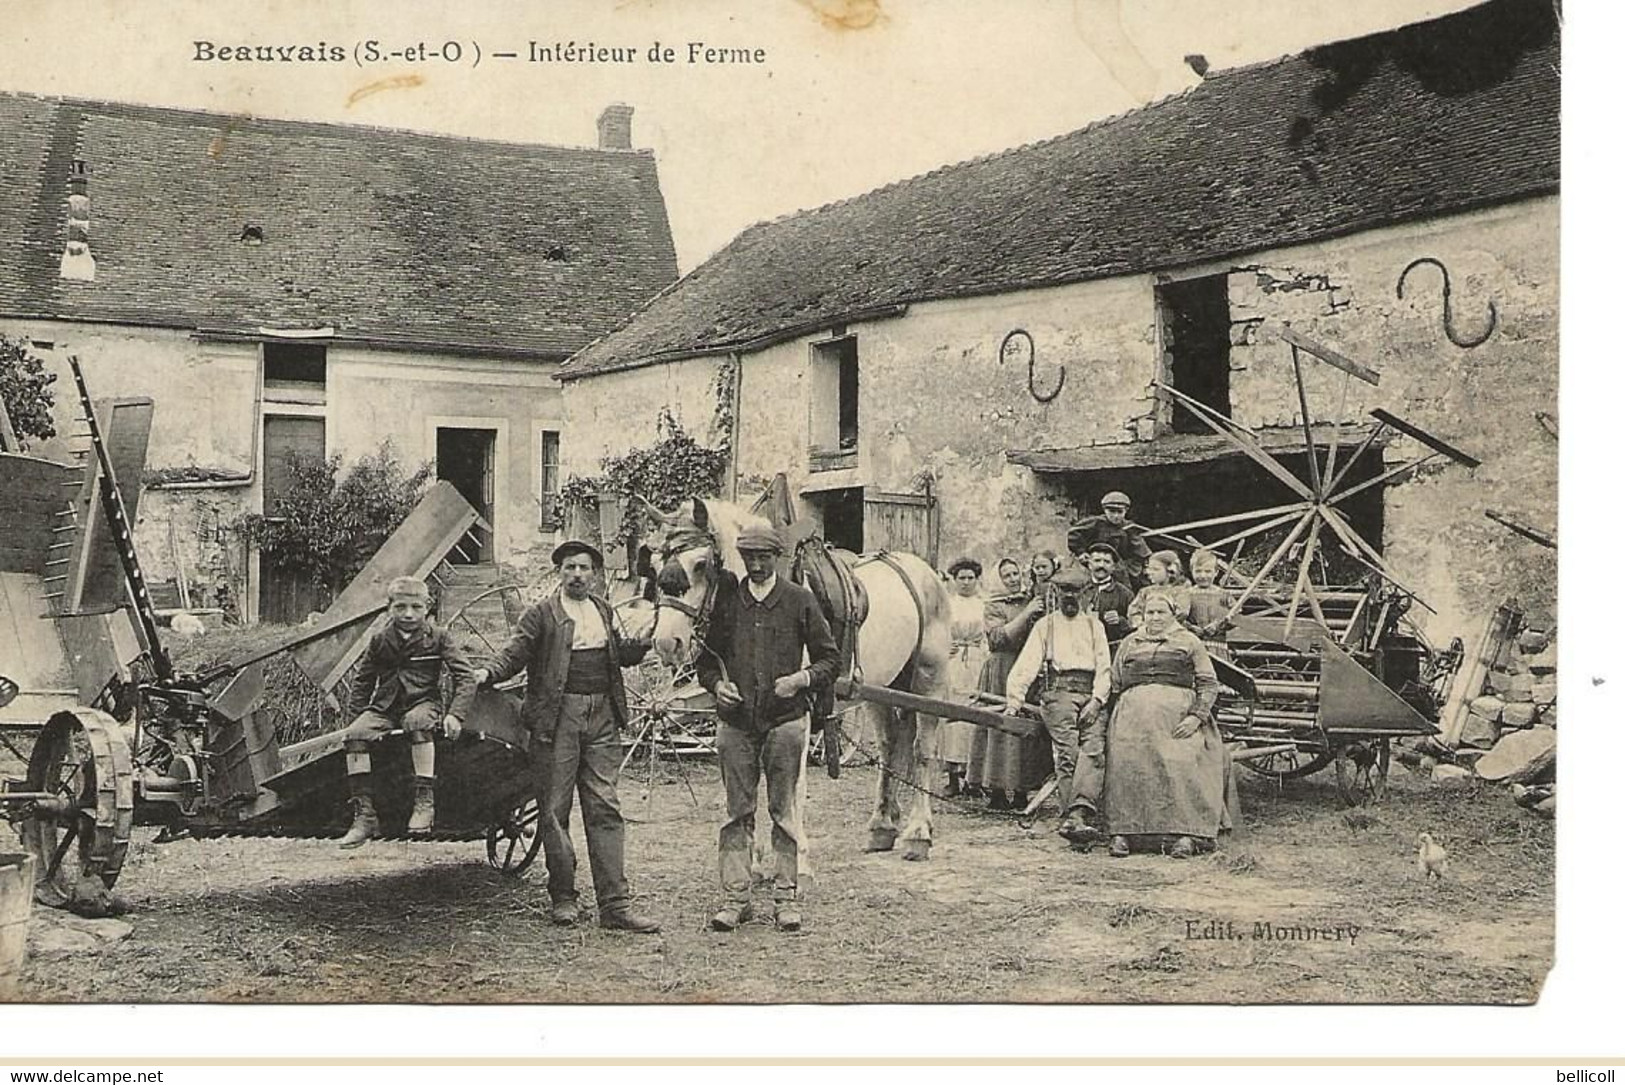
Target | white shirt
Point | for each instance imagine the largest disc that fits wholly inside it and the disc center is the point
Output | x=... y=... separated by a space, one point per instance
x=589 y=623
x=759 y=593
x=1071 y=644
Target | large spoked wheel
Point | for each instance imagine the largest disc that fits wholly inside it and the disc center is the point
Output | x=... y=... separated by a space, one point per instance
x=1288 y=764
x=1362 y=771
x=79 y=829
x=512 y=845
x=490 y=619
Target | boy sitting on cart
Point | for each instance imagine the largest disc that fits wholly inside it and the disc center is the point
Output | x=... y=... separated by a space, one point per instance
x=397 y=688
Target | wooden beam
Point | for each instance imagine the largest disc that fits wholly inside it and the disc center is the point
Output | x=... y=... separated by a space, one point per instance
x=948 y=710
x=1522 y=529
x=1329 y=356
x=1443 y=449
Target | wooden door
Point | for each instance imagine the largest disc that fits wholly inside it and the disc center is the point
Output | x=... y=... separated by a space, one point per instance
x=285 y=596
x=906 y=522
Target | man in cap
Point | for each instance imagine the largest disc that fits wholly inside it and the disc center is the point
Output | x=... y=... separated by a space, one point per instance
x=1067 y=653
x=575 y=704
x=1107 y=597
x=767 y=648
x=1112 y=527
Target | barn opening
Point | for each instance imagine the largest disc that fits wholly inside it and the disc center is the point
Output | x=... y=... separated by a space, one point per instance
x=1193 y=316
x=1218 y=484
x=833 y=406
x=466 y=458
x=841 y=512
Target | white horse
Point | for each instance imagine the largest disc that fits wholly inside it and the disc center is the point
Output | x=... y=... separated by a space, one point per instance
x=904 y=642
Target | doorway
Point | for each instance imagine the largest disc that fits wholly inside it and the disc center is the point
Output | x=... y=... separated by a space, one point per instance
x=466 y=458
x=285 y=595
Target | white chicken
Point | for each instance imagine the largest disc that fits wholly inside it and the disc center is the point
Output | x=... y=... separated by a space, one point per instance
x=1430 y=857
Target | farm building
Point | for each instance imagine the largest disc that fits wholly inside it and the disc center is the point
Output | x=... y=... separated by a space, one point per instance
x=965 y=361
x=277 y=285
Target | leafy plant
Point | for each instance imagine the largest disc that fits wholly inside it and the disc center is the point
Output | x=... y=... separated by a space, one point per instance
x=25 y=387
x=329 y=522
x=672 y=470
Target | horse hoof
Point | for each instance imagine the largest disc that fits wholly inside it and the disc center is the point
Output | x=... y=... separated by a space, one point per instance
x=881 y=840
x=918 y=851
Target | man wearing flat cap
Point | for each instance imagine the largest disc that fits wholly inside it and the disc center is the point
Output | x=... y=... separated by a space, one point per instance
x=767 y=648
x=572 y=652
x=1112 y=528
x=1107 y=597
x=1067 y=653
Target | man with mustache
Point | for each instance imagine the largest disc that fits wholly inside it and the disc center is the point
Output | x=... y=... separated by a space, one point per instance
x=1067 y=650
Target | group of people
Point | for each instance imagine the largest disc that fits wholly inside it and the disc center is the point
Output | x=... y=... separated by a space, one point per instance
x=1121 y=678
x=1113 y=650
x=768 y=645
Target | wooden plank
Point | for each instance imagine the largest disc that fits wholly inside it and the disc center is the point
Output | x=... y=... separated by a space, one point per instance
x=1422 y=435
x=414 y=549
x=1522 y=529
x=31 y=651
x=1475 y=670
x=1330 y=356
x=948 y=710
x=126 y=429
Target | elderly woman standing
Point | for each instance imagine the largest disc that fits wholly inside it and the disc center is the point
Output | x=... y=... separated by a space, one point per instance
x=965 y=606
x=1167 y=771
x=1004 y=766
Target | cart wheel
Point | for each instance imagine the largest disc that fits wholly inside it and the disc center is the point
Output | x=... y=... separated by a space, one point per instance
x=79 y=836
x=1362 y=771
x=1289 y=764
x=512 y=846
x=509 y=599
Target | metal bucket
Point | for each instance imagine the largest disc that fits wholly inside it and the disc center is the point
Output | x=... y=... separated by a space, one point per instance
x=16 y=902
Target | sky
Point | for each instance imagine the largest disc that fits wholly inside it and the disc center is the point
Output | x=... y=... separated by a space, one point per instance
x=849 y=95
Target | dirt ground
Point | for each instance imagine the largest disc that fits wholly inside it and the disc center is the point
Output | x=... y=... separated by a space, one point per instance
x=999 y=914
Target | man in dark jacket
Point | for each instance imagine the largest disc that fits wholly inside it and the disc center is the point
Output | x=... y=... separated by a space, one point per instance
x=1112 y=527
x=760 y=633
x=1108 y=597
x=575 y=704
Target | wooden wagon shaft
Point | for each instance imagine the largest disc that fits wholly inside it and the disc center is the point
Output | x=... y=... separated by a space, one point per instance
x=948 y=710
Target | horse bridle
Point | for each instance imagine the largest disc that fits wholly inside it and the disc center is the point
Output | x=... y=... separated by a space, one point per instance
x=698 y=616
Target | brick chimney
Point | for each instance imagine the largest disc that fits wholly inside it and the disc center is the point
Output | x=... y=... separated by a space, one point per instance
x=77 y=263
x=615 y=128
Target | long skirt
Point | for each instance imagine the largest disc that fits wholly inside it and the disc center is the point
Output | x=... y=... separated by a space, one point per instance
x=1159 y=784
x=956 y=737
x=1002 y=762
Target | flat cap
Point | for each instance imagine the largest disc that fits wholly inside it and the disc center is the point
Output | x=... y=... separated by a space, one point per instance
x=761 y=538
x=1116 y=498
x=1103 y=547
x=572 y=547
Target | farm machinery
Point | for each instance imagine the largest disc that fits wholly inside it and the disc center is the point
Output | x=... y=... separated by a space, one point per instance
x=122 y=737
x=1318 y=671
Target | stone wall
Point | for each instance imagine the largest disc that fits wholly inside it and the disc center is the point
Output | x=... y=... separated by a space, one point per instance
x=936 y=397
x=206 y=424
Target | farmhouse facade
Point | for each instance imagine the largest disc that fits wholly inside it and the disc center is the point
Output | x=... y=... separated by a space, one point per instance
x=964 y=362
x=276 y=285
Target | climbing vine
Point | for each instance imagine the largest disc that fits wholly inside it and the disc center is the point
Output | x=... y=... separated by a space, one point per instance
x=673 y=469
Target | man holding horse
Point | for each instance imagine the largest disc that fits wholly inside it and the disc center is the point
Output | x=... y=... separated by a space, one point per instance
x=575 y=704
x=767 y=647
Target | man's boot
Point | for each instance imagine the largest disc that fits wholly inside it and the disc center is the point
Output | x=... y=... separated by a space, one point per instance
x=422 y=820
x=365 y=825
x=624 y=918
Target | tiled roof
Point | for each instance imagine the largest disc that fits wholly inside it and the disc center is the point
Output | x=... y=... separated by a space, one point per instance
x=1442 y=116
x=388 y=236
